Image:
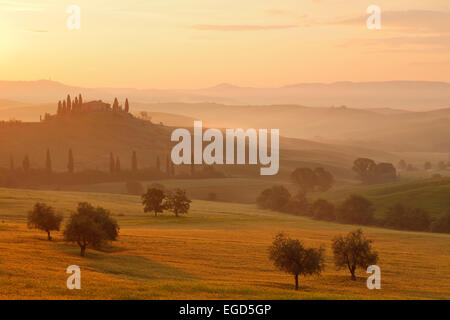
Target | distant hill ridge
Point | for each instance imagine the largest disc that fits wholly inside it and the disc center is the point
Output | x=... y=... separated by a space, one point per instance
x=409 y=95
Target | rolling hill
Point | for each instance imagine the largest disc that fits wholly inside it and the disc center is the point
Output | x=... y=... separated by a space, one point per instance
x=94 y=135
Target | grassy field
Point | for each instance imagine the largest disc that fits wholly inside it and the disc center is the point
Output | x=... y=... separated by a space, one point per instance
x=218 y=251
x=432 y=195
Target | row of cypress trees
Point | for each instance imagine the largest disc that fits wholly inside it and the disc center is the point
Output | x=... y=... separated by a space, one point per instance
x=114 y=163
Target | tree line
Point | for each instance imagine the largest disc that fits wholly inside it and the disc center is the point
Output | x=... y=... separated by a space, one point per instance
x=355 y=209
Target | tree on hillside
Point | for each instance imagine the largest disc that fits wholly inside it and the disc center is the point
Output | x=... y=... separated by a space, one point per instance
x=292 y=257
x=309 y=180
x=402 y=165
x=112 y=164
x=153 y=201
x=353 y=251
x=59 y=111
x=43 y=217
x=48 y=163
x=26 y=164
x=274 y=198
x=134 y=165
x=168 y=166
x=80 y=99
x=64 y=107
x=70 y=162
x=91 y=226
x=127 y=106
x=172 y=169
x=178 y=202
x=116 y=105
x=365 y=168
x=355 y=210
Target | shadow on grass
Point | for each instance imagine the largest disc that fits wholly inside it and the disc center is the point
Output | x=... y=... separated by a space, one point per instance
x=128 y=266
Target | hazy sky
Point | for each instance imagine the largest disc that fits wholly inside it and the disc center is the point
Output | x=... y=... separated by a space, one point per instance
x=200 y=43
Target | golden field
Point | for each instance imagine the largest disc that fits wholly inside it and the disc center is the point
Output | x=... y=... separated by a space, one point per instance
x=218 y=251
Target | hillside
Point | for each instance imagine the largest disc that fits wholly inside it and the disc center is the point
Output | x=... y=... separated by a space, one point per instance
x=217 y=251
x=94 y=135
x=389 y=131
x=431 y=195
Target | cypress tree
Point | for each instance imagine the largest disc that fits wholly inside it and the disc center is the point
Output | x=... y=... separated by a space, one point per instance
x=80 y=99
x=59 y=111
x=64 y=107
x=26 y=164
x=172 y=169
x=70 y=163
x=69 y=104
x=117 y=168
x=134 y=165
x=116 y=105
x=158 y=164
x=127 y=106
x=111 y=163
x=48 y=163
x=11 y=163
x=167 y=166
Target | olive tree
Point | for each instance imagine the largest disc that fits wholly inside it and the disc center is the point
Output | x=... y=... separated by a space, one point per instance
x=153 y=200
x=178 y=202
x=43 y=217
x=353 y=251
x=292 y=257
x=91 y=226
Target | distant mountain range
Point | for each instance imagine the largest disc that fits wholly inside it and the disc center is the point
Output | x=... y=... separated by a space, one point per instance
x=408 y=95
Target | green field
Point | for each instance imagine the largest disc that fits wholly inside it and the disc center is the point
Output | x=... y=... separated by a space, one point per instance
x=217 y=251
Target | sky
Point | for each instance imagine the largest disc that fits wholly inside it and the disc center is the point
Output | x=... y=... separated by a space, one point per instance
x=200 y=43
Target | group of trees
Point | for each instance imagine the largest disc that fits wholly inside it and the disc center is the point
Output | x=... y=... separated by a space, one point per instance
x=355 y=209
x=371 y=172
x=352 y=251
x=88 y=226
x=158 y=200
x=69 y=106
x=441 y=165
x=114 y=163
